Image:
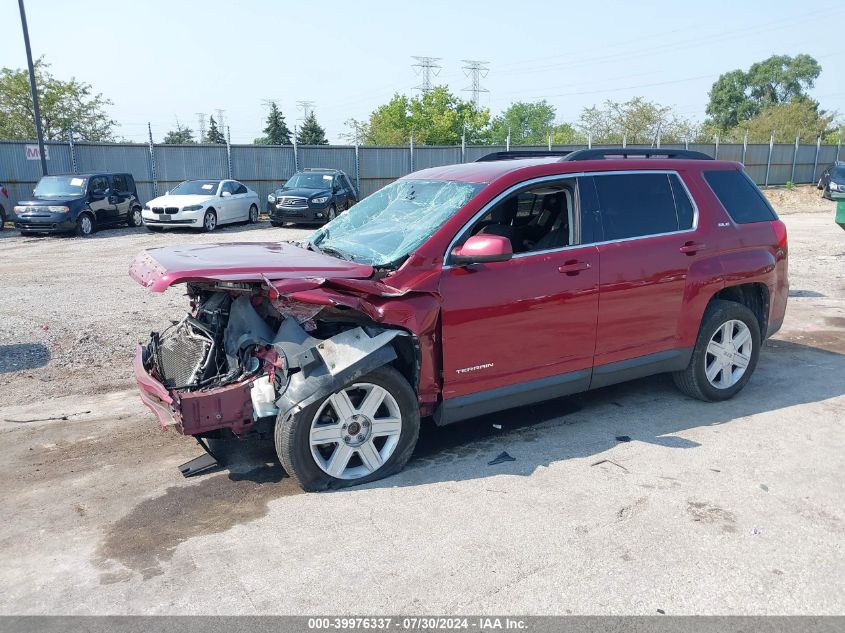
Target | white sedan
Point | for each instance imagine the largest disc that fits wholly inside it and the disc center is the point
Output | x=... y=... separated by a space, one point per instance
x=202 y=204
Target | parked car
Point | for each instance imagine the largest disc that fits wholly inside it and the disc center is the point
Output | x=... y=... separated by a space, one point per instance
x=311 y=196
x=202 y=204
x=458 y=291
x=80 y=203
x=5 y=206
x=832 y=182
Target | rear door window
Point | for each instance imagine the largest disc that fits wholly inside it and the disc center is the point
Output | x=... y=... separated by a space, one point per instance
x=118 y=183
x=241 y=189
x=636 y=205
x=740 y=197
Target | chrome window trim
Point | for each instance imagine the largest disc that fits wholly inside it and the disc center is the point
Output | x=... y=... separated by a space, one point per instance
x=581 y=174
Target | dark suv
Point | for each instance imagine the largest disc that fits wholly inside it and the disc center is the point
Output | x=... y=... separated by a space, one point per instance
x=79 y=203
x=311 y=196
x=832 y=182
x=458 y=291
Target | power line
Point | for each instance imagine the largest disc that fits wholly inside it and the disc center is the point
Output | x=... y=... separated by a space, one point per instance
x=477 y=70
x=426 y=66
x=307 y=108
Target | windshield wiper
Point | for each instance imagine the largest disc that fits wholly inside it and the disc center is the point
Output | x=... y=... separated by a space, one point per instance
x=331 y=250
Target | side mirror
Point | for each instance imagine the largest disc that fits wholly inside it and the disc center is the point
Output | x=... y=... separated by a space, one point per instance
x=225 y=194
x=481 y=249
x=334 y=189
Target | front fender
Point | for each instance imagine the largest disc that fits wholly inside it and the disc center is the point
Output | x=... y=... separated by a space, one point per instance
x=333 y=363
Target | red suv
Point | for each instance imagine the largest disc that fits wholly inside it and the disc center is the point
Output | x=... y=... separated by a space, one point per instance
x=461 y=290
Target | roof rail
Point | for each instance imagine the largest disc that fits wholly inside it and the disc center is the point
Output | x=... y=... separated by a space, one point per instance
x=624 y=152
x=319 y=169
x=528 y=153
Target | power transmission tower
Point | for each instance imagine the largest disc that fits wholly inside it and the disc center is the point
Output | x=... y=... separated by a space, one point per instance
x=307 y=108
x=426 y=66
x=201 y=125
x=220 y=115
x=477 y=70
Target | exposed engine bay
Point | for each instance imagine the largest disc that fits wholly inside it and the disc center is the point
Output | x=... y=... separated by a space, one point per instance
x=240 y=358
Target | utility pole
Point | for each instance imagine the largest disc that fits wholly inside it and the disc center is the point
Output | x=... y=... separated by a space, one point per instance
x=476 y=70
x=35 y=109
x=201 y=126
x=426 y=66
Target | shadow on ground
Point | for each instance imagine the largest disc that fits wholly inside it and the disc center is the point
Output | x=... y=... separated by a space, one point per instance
x=23 y=356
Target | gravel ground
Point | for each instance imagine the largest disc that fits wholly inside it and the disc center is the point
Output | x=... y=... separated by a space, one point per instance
x=728 y=508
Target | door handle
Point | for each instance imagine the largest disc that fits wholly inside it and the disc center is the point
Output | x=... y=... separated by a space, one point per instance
x=573 y=267
x=691 y=248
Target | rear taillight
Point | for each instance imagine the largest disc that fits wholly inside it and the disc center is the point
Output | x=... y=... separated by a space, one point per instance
x=4 y=191
x=780 y=233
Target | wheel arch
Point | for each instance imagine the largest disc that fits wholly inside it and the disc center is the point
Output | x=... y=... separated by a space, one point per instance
x=754 y=296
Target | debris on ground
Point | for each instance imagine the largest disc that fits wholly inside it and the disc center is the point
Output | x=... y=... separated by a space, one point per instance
x=609 y=461
x=54 y=417
x=502 y=458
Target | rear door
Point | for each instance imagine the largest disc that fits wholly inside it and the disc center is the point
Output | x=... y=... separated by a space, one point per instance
x=520 y=330
x=648 y=240
x=121 y=195
x=244 y=200
x=228 y=204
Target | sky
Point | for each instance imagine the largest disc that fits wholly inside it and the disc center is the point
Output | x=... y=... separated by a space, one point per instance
x=158 y=60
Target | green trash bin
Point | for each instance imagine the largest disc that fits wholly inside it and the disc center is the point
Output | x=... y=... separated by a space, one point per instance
x=840 y=213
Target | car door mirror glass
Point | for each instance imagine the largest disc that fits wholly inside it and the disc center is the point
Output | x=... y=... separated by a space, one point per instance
x=480 y=249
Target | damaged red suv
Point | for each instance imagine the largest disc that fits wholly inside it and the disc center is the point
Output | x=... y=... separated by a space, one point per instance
x=462 y=290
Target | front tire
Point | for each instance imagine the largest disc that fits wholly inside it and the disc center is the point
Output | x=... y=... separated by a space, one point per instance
x=725 y=353
x=85 y=225
x=332 y=213
x=276 y=224
x=2 y=218
x=364 y=431
x=209 y=221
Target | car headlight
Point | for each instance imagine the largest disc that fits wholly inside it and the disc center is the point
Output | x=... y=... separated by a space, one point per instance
x=146 y=207
x=271 y=198
x=20 y=209
x=58 y=209
x=192 y=207
x=320 y=200
x=833 y=186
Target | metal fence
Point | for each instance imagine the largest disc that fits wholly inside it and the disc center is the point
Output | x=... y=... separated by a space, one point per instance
x=263 y=168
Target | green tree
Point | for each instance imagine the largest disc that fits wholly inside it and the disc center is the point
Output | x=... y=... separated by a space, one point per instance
x=738 y=96
x=566 y=134
x=358 y=132
x=311 y=133
x=787 y=120
x=436 y=117
x=276 y=132
x=182 y=135
x=529 y=123
x=65 y=106
x=213 y=134
x=638 y=121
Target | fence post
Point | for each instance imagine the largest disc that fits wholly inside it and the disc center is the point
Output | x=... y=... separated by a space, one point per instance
x=589 y=140
x=769 y=160
x=72 y=150
x=152 y=162
x=686 y=142
x=624 y=140
x=795 y=156
x=716 y=152
x=816 y=160
x=295 y=155
x=464 y=146
x=838 y=146
x=357 y=170
x=744 y=146
x=229 y=151
x=412 y=151
x=508 y=141
x=550 y=141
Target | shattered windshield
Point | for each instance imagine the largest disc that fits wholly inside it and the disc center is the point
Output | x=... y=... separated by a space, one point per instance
x=390 y=224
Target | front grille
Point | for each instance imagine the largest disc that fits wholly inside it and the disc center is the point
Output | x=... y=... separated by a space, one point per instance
x=165 y=209
x=184 y=352
x=292 y=201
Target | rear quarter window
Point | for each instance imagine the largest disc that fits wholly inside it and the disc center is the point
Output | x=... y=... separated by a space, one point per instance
x=740 y=197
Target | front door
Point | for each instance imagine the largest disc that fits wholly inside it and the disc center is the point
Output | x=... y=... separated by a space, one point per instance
x=100 y=199
x=523 y=330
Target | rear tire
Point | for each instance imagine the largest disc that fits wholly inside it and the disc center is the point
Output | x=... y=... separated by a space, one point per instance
x=727 y=348
x=85 y=225
x=135 y=218
x=253 y=214
x=372 y=442
x=2 y=218
x=276 y=224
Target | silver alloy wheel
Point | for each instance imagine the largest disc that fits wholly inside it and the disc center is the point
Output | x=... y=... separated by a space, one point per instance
x=210 y=221
x=253 y=214
x=728 y=354
x=137 y=218
x=355 y=431
x=85 y=224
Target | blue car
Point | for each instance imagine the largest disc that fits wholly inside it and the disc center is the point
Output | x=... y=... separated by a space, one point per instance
x=79 y=203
